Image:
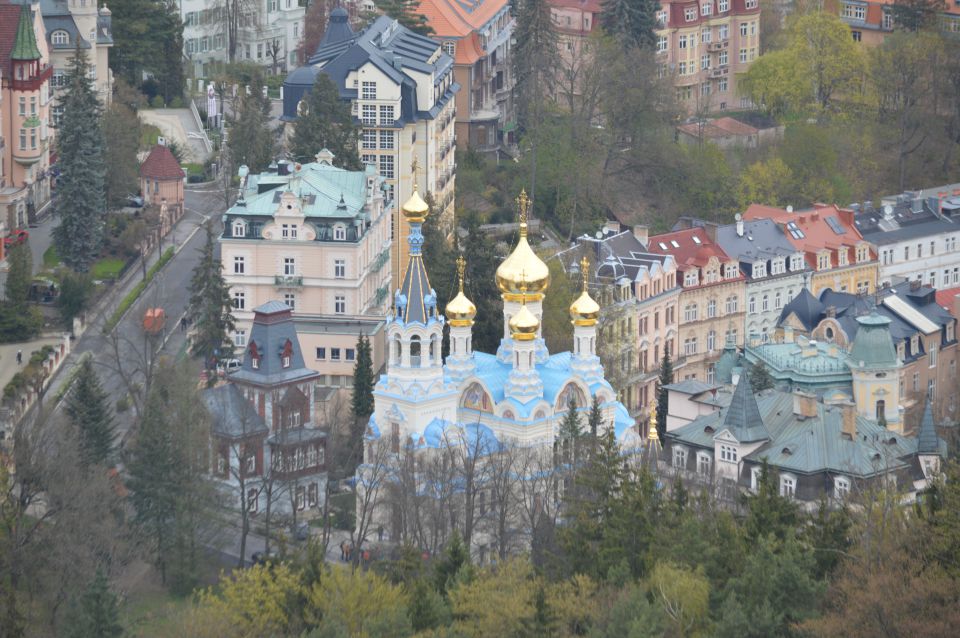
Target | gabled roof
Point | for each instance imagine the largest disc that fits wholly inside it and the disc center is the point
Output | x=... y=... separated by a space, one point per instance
x=762 y=239
x=468 y=50
x=743 y=415
x=807 y=309
x=822 y=227
x=691 y=248
x=232 y=415
x=457 y=18
x=946 y=297
x=161 y=164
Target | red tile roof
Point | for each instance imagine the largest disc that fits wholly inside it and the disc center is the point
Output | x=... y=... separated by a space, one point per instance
x=469 y=50
x=587 y=6
x=449 y=18
x=945 y=298
x=161 y=164
x=814 y=229
x=690 y=248
x=9 y=21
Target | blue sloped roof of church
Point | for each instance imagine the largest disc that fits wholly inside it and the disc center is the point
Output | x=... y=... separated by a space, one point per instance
x=415 y=288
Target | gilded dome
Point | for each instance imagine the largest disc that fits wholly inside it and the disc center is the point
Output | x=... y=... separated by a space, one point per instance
x=461 y=311
x=415 y=209
x=584 y=311
x=524 y=325
x=523 y=266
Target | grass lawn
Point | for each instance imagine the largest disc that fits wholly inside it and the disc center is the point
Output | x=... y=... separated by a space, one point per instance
x=148 y=136
x=50 y=258
x=106 y=268
x=150 y=613
x=192 y=168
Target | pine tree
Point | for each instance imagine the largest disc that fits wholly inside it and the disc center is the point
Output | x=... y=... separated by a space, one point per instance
x=768 y=511
x=632 y=22
x=663 y=395
x=361 y=403
x=19 y=275
x=251 y=140
x=760 y=377
x=148 y=38
x=405 y=12
x=595 y=419
x=480 y=252
x=89 y=410
x=210 y=307
x=97 y=613
x=80 y=199
x=455 y=557
x=326 y=124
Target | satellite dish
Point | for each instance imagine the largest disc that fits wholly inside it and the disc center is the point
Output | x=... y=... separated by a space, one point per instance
x=599 y=235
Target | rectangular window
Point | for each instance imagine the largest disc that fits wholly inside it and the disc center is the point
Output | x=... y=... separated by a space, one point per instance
x=723 y=32
x=340 y=268
x=386 y=166
x=289 y=266
x=679 y=458
x=743 y=30
x=704 y=62
x=301 y=499
x=706 y=8
x=682 y=43
x=312 y=495
x=752 y=4
x=386 y=115
x=857 y=35
x=334 y=354
x=690 y=14
x=340 y=305
x=23 y=139
x=239 y=300
x=240 y=338
x=386 y=140
x=290 y=299
x=369 y=115
x=703 y=464
x=369 y=139
x=841 y=487
x=238 y=265
x=351 y=354
x=723 y=6
x=706 y=36
x=321 y=354
x=662 y=43
x=788 y=486
x=368 y=90
x=743 y=55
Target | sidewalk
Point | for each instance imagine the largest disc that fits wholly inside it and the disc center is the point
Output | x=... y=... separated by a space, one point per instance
x=8 y=356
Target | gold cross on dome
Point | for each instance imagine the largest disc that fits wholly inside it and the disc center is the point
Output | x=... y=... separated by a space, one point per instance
x=415 y=169
x=523 y=202
x=584 y=271
x=461 y=268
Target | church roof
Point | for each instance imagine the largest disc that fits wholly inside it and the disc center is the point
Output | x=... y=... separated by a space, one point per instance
x=338 y=28
x=415 y=289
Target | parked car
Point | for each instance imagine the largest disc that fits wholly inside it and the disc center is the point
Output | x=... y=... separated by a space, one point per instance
x=134 y=201
x=16 y=237
x=227 y=366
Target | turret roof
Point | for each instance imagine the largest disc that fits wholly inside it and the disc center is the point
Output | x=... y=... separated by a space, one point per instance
x=25 y=44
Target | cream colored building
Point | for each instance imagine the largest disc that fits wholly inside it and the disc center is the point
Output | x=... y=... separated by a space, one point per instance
x=72 y=23
x=711 y=307
x=315 y=237
x=401 y=89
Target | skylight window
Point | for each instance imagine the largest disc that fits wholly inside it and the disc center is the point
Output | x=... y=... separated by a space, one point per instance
x=835 y=225
x=696 y=240
x=673 y=242
x=794 y=231
x=663 y=246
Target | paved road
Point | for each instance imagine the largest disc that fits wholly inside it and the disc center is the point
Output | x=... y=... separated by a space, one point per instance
x=168 y=290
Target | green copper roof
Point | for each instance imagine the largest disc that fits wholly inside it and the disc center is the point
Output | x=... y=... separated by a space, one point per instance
x=25 y=45
x=873 y=345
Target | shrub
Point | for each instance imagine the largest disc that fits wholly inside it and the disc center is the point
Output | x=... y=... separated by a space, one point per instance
x=123 y=404
x=157 y=102
x=176 y=103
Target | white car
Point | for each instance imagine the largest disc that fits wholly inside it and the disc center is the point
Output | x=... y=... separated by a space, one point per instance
x=226 y=367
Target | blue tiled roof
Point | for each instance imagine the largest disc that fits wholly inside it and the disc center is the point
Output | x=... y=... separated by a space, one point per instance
x=272 y=329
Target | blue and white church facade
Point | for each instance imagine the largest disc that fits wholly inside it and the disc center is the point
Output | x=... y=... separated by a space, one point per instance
x=517 y=396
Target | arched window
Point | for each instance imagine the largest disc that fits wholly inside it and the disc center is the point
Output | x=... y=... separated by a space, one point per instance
x=881 y=410
x=711 y=340
x=731 y=304
x=752 y=306
x=339 y=233
x=712 y=308
x=239 y=228
x=60 y=37
x=433 y=348
x=765 y=304
x=476 y=398
x=415 y=351
x=396 y=349
x=571 y=391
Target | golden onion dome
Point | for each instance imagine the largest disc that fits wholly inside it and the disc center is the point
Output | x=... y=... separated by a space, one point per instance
x=461 y=311
x=523 y=266
x=584 y=311
x=524 y=325
x=415 y=209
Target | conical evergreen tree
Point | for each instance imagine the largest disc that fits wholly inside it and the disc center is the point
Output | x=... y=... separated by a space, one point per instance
x=632 y=22
x=210 y=307
x=361 y=402
x=760 y=377
x=251 y=140
x=595 y=419
x=19 y=274
x=97 y=613
x=534 y=57
x=455 y=557
x=80 y=201
x=663 y=395
x=326 y=124
x=89 y=410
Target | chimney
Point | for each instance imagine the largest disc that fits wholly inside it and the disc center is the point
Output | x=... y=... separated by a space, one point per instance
x=804 y=404
x=915 y=284
x=739 y=219
x=642 y=233
x=710 y=229
x=831 y=311
x=788 y=334
x=809 y=349
x=789 y=208
x=888 y=212
x=848 y=419
x=612 y=227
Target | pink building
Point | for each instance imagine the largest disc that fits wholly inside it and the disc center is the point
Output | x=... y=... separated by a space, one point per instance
x=26 y=139
x=704 y=44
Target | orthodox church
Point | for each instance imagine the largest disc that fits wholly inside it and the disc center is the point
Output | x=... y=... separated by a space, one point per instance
x=520 y=393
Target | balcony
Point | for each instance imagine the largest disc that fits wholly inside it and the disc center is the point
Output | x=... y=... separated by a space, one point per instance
x=719 y=72
x=717 y=46
x=288 y=281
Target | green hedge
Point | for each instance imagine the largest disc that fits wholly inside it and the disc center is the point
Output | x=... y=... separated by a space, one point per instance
x=137 y=290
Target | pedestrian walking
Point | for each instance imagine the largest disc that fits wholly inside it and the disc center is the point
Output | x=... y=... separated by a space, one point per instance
x=183 y=324
x=19 y=357
x=343 y=550
x=380 y=533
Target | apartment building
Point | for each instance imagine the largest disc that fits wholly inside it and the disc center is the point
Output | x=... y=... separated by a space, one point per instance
x=704 y=45
x=837 y=254
x=401 y=88
x=870 y=21
x=639 y=296
x=268 y=35
x=774 y=270
x=315 y=237
x=26 y=137
x=712 y=299
x=915 y=235
x=478 y=38
x=71 y=23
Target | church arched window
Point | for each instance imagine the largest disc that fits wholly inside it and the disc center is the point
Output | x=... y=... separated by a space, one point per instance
x=571 y=392
x=415 y=351
x=476 y=398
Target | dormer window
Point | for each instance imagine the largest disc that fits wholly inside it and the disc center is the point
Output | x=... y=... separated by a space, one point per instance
x=60 y=37
x=285 y=362
x=255 y=363
x=239 y=228
x=759 y=269
x=288 y=231
x=690 y=278
x=286 y=355
x=796 y=262
x=339 y=233
x=823 y=261
x=842 y=256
